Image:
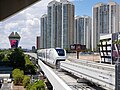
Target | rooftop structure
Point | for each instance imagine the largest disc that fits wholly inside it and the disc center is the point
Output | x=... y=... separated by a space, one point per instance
x=14 y=39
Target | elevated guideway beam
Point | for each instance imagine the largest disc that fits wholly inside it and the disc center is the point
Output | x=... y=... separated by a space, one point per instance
x=56 y=81
x=98 y=73
x=103 y=75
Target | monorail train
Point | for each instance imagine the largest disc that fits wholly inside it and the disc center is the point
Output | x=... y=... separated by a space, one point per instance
x=52 y=56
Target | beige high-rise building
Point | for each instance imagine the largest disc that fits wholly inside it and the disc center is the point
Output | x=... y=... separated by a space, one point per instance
x=67 y=24
x=105 y=19
x=82 y=31
x=119 y=18
x=54 y=24
x=60 y=24
x=43 y=36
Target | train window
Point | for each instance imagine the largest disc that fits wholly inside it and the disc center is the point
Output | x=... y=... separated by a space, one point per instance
x=60 y=52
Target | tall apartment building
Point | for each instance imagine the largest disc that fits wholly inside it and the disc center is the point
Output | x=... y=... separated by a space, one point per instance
x=60 y=24
x=43 y=36
x=83 y=31
x=119 y=18
x=67 y=24
x=38 y=42
x=54 y=28
x=105 y=20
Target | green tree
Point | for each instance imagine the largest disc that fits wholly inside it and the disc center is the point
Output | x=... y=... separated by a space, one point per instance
x=1 y=56
x=33 y=88
x=28 y=86
x=29 y=66
x=26 y=81
x=38 y=85
x=30 y=69
x=17 y=59
x=18 y=76
x=4 y=61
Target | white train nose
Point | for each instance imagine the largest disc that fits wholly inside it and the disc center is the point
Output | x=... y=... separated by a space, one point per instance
x=52 y=55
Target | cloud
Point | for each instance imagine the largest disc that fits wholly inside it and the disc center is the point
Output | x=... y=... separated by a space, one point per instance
x=26 y=23
x=30 y=22
x=10 y=26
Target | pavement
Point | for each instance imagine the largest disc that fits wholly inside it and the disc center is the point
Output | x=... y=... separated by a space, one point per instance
x=91 y=57
x=11 y=86
x=6 y=86
x=15 y=87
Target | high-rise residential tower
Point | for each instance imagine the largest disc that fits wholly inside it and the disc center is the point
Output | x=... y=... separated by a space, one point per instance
x=82 y=31
x=105 y=20
x=67 y=24
x=60 y=24
x=43 y=36
x=54 y=28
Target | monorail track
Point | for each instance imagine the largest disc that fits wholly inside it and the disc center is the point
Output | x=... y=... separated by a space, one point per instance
x=99 y=73
x=98 y=76
x=72 y=81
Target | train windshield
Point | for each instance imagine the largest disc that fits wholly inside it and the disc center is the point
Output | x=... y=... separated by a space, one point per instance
x=60 y=52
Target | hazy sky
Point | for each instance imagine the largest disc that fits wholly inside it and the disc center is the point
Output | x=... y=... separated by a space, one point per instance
x=27 y=23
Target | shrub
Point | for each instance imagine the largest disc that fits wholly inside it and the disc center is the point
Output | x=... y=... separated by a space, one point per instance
x=37 y=85
x=26 y=81
x=18 y=76
x=29 y=66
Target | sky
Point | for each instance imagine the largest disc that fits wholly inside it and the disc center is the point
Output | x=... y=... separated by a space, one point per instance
x=27 y=21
